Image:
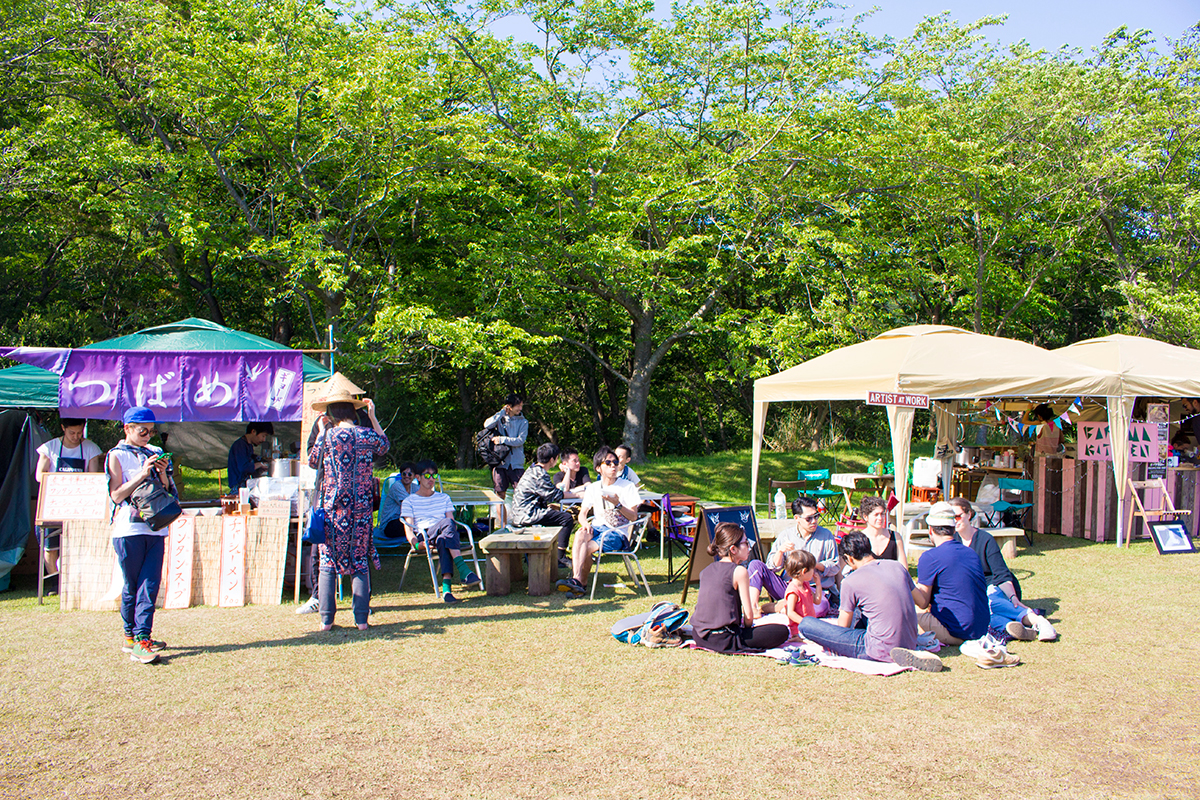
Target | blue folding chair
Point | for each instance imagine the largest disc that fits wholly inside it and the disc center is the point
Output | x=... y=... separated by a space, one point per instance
x=832 y=499
x=678 y=532
x=1014 y=485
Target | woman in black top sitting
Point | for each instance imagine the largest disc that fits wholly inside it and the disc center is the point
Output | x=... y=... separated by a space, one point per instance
x=724 y=617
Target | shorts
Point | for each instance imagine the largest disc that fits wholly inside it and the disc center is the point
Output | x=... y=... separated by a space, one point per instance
x=48 y=536
x=609 y=539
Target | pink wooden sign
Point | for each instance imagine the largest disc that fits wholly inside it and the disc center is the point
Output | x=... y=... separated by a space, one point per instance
x=180 y=546
x=233 y=561
x=1094 y=443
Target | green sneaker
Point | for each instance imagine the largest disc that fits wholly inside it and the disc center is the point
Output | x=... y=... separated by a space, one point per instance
x=142 y=652
x=155 y=645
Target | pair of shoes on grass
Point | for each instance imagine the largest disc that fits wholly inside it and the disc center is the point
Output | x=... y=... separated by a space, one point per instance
x=143 y=650
x=571 y=585
x=309 y=607
x=1041 y=630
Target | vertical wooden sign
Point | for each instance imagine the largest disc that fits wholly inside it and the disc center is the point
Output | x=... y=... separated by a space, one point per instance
x=233 y=561
x=180 y=547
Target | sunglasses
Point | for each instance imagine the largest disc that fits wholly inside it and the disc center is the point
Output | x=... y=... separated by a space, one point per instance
x=611 y=462
x=811 y=518
x=429 y=475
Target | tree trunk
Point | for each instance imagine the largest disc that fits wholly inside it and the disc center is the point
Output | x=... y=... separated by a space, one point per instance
x=637 y=398
x=466 y=431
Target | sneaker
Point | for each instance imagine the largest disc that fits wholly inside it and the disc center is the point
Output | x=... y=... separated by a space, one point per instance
x=449 y=598
x=1018 y=631
x=658 y=637
x=570 y=585
x=471 y=581
x=564 y=563
x=155 y=645
x=1045 y=631
x=310 y=607
x=141 y=651
x=996 y=657
x=925 y=662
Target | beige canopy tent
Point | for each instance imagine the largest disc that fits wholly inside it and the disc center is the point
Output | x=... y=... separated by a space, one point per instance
x=1142 y=367
x=939 y=361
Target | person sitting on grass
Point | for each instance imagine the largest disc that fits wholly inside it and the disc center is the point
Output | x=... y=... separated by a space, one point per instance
x=609 y=506
x=799 y=600
x=807 y=536
x=883 y=592
x=950 y=585
x=724 y=617
x=533 y=496
x=429 y=520
x=1008 y=612
x=886 y=545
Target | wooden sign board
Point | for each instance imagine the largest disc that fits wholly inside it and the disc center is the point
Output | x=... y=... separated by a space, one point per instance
x=233 y=561
x=72 y=495
x=275 y=508
x=709 y=519
x=181 y=543
x=898 y=399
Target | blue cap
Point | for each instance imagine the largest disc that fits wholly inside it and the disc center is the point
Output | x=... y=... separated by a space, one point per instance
x=138 y=414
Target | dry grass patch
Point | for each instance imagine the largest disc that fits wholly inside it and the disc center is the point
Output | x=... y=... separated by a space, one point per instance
x=530 y=698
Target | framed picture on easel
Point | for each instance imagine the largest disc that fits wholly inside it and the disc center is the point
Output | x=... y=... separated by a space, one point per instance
x=1171 y=536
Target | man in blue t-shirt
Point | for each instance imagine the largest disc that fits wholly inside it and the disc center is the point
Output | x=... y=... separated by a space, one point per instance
x=950 y=584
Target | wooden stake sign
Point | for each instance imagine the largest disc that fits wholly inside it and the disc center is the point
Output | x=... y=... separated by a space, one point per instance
x=233 y=562
x=181 y=543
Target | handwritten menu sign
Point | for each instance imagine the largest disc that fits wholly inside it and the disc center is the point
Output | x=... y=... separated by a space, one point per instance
x=233 y=561
x=1095 y=445
x=180 y=545
x=72 y=495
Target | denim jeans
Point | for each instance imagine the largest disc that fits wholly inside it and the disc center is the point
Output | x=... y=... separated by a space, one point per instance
x=1002 y=609
x=443 y=537
x=841 y=641
x=141 y=560
x=360 y=587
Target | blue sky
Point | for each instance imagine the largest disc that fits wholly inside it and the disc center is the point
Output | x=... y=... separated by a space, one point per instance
x=1045 y=24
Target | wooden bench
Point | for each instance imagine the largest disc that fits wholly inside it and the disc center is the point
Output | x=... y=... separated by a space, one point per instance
x=1007 y=539
x=504 y=555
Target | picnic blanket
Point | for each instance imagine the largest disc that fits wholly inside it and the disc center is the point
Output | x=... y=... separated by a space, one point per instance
x=822 y=656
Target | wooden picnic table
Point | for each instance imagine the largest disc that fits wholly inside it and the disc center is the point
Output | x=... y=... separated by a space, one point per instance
x=504 y=556
x=848 y=483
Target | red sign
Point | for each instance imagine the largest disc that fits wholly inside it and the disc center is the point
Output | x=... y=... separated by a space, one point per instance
x=895 y=399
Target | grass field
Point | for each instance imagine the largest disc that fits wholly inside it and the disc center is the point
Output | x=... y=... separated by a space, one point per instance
x=523 y=697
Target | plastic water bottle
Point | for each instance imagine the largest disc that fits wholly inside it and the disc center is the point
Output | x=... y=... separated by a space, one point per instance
x=780 y=503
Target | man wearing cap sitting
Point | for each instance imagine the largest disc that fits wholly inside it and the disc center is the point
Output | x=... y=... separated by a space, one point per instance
x=429 y=519
x=952 y=590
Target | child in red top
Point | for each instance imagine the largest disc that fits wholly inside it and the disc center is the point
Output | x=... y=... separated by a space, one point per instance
x=798 y=600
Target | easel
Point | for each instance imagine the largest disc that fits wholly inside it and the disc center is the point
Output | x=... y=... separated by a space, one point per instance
x=699 y=558
x=1165 y=509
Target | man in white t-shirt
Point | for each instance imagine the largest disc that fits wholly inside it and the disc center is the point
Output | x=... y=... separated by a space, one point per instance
x=429 y=518
x=68 y=453
x=609 y=506
x=625 y=472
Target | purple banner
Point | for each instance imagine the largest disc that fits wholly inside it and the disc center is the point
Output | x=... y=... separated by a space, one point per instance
x=235 y=385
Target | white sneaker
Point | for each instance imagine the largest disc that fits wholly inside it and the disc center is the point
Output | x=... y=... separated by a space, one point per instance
x=997 y=657
x=1045 y=631
x=310 y=607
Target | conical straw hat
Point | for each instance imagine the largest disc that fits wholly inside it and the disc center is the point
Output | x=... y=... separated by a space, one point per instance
x=339 y=389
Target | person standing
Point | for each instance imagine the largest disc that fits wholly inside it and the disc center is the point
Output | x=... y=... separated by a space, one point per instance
x=512 y=429
x=139 y=549
x=68 y=453
x=345 y=452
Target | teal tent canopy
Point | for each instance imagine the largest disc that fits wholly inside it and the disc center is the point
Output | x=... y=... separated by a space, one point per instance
x=25 y=386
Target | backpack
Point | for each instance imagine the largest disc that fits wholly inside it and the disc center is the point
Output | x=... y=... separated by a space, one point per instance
x=492 y=454
x=665 y=617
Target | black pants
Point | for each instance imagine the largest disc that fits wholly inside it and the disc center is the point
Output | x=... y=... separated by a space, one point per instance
x=733 y=640
x=564 y=521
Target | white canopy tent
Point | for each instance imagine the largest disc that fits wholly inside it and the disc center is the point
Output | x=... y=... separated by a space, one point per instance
x=1142 y=368
x=942 y=362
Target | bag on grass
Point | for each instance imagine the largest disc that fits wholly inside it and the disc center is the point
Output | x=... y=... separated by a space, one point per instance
x=664 y=618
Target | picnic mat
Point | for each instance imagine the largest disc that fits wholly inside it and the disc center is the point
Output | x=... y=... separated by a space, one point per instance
x=822 y=656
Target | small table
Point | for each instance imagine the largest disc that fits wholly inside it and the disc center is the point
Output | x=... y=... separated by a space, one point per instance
x=848 y=481
x=1007 y=539
x=504 y=552
x=479 y=497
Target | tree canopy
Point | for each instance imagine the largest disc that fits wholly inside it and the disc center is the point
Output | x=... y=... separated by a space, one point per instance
x=626 y=222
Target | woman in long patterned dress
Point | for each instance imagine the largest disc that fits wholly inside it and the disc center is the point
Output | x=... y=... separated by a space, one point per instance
x=346 y=453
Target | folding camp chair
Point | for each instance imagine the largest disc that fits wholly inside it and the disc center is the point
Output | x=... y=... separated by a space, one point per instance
x=1000 y=506
x=832 y=499
x=1142 y=507
x=679 y=532
x=637 y=529
x=467 y=548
